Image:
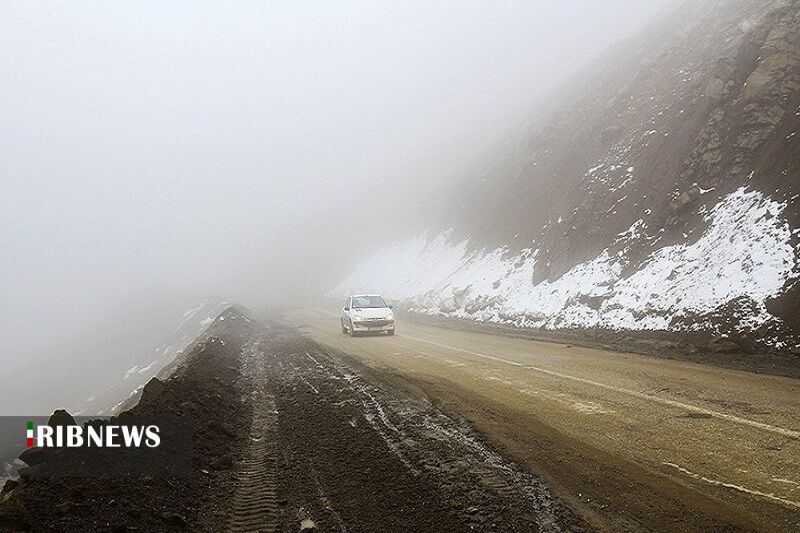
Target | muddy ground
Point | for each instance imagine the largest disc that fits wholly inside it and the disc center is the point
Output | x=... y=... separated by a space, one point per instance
x=354 y=456
x=438 y=430
x=290 y=436
x=631 y=443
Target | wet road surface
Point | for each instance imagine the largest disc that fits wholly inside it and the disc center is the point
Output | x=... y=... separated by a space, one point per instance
x=633 y=443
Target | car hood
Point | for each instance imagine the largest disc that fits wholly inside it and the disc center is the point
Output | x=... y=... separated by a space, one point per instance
x=372 y=312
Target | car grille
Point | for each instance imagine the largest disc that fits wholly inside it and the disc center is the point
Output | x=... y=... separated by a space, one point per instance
x=374 y=323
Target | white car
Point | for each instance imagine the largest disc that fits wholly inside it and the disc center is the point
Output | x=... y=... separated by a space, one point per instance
x=367 y=313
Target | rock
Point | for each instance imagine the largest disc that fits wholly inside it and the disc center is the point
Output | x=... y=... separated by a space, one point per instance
x=734 y=343
x=460 y=296
x=308 y=525
x=10 y=485
x=173 y=519
x=715 y=89
x=67 y=507
x=30 y=472
x=722 y=346
x=154 y=388
x=189 y=407
x=593 y=302
x=685 y=198
x=60 y=417
x=33 y=456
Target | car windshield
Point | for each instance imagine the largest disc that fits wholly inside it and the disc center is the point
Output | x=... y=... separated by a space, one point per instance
x=361 y=302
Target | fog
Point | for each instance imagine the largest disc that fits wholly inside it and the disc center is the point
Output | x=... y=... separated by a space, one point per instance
x=253 y=151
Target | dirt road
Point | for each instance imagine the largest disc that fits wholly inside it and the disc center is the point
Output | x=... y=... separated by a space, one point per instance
x=631 y=442
x=331 y=448
x=287 y=436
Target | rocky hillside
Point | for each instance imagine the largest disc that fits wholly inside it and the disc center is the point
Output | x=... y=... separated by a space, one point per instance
x=661 y=193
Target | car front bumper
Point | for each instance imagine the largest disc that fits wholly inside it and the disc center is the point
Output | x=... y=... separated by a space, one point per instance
x=376 y=326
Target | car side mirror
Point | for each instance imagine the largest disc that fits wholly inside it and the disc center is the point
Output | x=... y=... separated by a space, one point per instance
x=346 y=308
x=391 y=307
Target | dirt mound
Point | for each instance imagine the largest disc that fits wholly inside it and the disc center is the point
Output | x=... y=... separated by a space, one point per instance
x=70 y=489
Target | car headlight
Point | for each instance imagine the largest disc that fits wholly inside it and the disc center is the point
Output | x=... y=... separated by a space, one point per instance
x=390 y=316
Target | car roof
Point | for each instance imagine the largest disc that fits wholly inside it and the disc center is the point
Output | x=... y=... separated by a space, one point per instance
x=355 y=295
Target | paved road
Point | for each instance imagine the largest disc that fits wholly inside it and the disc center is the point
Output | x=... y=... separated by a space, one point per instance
x=632 y=442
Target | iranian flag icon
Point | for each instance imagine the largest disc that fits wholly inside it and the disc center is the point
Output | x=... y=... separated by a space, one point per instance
x=30 y=434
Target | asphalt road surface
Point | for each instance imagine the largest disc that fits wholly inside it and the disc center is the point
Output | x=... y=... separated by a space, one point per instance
x=630 y=442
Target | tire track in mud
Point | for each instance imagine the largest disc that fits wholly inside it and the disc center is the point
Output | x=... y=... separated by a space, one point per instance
x=347 y=450
x=491 y=493
x=255 y=501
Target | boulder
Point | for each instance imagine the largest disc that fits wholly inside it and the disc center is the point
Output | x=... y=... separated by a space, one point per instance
x=592 y=301
x=31 y=472
x=733 y=343
x=154 y=388
x=60 y=417
x=685 y=198
x=10 y=485
x=308 y=525
x=33 y=456
x=722 y=344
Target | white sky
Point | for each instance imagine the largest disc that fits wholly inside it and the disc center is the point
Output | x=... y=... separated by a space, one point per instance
x=246 y=149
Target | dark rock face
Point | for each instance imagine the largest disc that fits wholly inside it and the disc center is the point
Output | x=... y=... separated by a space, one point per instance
x=33 y=456
x=153 y=389
x=702 y=103
x=60 y=418
x=10 y=485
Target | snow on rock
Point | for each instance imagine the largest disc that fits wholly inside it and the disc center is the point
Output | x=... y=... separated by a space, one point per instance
x=745 y=252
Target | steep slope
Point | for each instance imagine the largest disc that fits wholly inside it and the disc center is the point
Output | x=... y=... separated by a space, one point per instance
x=130 y=376
x=210 y=319
x=661 y=193
x=183 y=485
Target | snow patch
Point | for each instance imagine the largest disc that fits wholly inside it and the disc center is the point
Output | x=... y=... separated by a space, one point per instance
x=745 y=252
